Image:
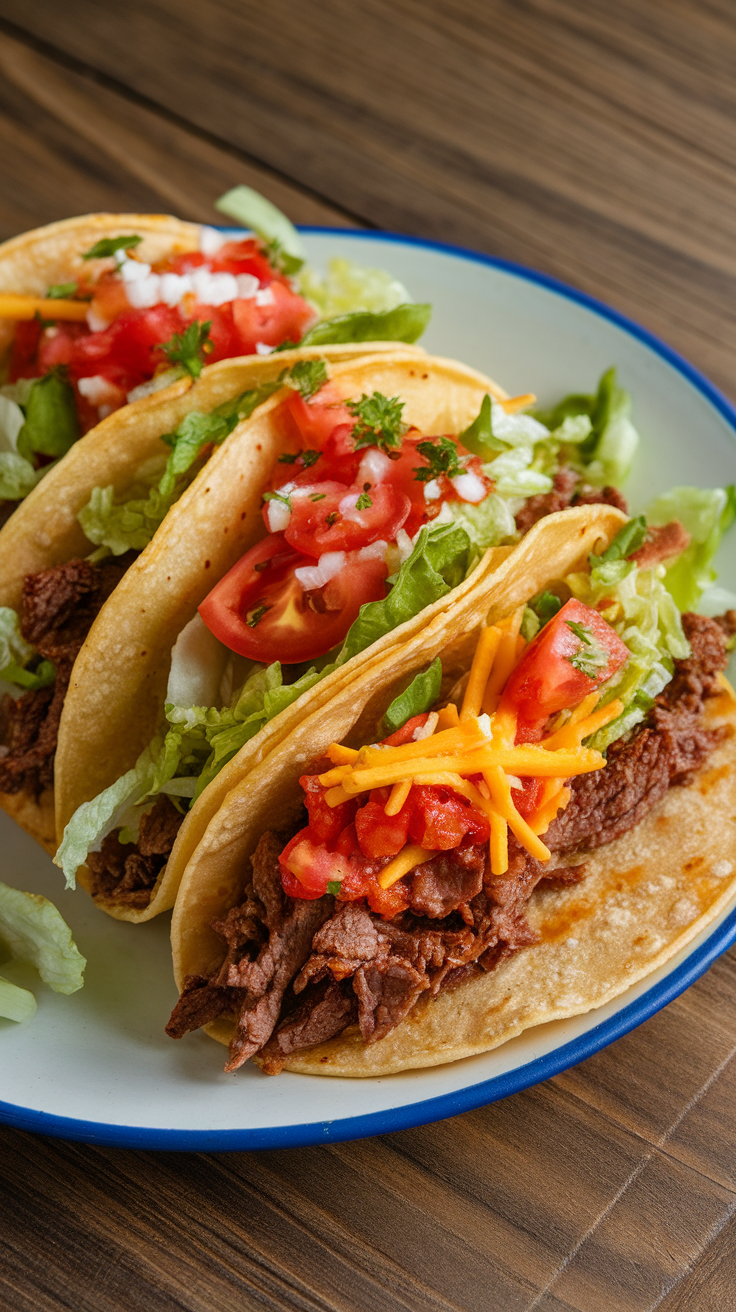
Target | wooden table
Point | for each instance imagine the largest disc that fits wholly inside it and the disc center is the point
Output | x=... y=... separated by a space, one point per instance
x=594 y=141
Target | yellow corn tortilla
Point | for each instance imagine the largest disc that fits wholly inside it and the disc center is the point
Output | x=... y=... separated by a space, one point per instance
x=268 y=794
x=116 y=695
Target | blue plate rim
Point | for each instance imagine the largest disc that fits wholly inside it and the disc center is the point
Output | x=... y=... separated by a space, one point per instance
x=498 y=1086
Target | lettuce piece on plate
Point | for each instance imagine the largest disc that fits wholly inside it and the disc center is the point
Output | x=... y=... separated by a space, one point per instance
x=706 y=514
x=32 y=930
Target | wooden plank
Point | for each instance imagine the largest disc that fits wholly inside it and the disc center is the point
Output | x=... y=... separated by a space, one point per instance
x=69 y=146
x=708 y=1286
x=590 y=140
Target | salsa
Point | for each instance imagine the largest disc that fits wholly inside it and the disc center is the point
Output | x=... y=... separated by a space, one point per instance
x=136 y=309
x=338 y=498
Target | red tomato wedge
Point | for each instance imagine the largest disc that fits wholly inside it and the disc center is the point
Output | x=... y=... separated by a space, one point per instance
x=316 y=420
x=260 y=609
x=562 y=666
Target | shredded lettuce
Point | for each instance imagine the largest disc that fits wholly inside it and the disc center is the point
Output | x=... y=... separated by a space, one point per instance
x=16 y=1003
x=15 y=655
x=405 y=323
x=17 y=476
x=347 y=287
x=12 y=420
x=51 y=425
x=605 y=454
x=706 y=514
x=420 y=696
x=487 y=524
x=262 y=217
x=33 y=930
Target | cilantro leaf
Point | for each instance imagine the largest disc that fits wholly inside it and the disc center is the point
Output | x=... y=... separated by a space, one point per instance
x=379 y=421
x=334 y=886
x=190 y=347
x=277 y=496
x=255 y=616
x=306 y=377
x=590 y=658
x=110 y=246
x=364 y=502
x=626 y=542
x=61 y=291
x=443 y=459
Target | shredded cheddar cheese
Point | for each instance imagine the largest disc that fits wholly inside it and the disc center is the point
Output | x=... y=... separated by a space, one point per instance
x=399 y=794
x=479 y=672
x=401 y=865
x=16 y=306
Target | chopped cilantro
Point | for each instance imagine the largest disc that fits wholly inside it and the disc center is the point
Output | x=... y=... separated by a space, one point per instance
x=256 y=615
x=287 y=459
x=317 y=496
x=280 y=259
x=334 y=886
x=309 y=458
x=443 y=459
x=306 y=377
x=364 y=502
x=277 y=496
x=330 y=519
x=379 y=421
x=110 y=246
x=626 y=542
x=190 y=347
x=61 y=291
x=590 y=658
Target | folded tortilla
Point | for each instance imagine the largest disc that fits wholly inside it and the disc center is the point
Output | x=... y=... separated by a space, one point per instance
x=116 y=696
x=644 y=897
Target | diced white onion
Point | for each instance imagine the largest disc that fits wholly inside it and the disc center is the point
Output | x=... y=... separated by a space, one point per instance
x=432 y=490
x=469 y=487
x=214 y=288
x=210 y=240
x=133 y=270
x=374 y=468
x=95 y=322
x=404 y=544
x=174 y=286
x=144 y=292
x=375 y=551
x=278 y=515
x=98 y=390
x=315 y=576
x=262 y=348
x=484 y=724
x=263 y=295
x=426 y=730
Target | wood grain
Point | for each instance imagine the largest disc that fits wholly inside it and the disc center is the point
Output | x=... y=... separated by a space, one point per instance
x=593 y=141
x=596 y=142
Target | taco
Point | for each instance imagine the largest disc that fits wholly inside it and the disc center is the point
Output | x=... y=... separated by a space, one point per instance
x=99 y=311
x=288 y=544
x=545 y=816
x=67 y=547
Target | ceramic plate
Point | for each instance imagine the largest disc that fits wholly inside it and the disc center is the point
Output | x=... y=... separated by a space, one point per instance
x=97 y=1066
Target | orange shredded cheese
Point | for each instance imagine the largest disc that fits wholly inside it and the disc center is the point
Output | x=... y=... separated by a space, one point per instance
x=448 y=717
x=502 y=800
x=542 y=818
x=340 y=755
x=399 y=794
x=15 y=306
x=480 y=670
x=514 y=403
x=571 y=735
x=401 y=865
x=499 y=844
x=504 y=662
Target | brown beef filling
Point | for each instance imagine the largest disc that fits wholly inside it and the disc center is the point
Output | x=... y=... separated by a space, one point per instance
x=57 y=609
x=298 y=973
x=126 y=873
x=564 y=494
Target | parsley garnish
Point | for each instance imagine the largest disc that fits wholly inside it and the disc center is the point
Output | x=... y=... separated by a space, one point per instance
x=306 y=377
x=190 y=347
x=443 y=459
x=364 y=502
x=626 y=542
x=61 y=290
x=256 y=615
x=590 y=658
x=334 y=886
x=309 y=458
x=379 y=421
x=110 y=246
x=287 y=459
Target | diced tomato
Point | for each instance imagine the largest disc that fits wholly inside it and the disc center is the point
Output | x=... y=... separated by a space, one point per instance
x=311 y=864
x=526 y=799
x=380 y=834
x=318 y=523
x=545 y=680
x=403 y=476
x=440 y=819
x=260 y=609
x=388 y=902
x=315 y=420
x=327 y=822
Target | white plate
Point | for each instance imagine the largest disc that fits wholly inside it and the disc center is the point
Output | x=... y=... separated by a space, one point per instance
x=97 y=1066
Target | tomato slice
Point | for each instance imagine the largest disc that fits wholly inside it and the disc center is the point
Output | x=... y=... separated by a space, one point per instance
x=260 y=609
x=324 y=517
x=308 y=863
x=546 y=681
x=315 y=420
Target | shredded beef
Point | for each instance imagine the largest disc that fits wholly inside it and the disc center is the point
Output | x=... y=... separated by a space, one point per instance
x=350 y=964
x=268 y=940
x=57 y=609
x=563 y=494
x=126 y=873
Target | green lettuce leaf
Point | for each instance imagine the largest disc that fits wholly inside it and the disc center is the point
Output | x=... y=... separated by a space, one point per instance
x=51 y=425
x=606 y=452
x=348 y=287
x=17 y=476
x=12 y=420
x=706 y=514
x=16 y=1003
x=420 y=696
x=405 y=323
x=487 y=524
x=34 y=931
x=16 y=654
x=253 y=212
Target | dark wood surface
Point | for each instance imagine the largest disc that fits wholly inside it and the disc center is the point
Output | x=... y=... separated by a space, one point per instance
x=597 y=142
